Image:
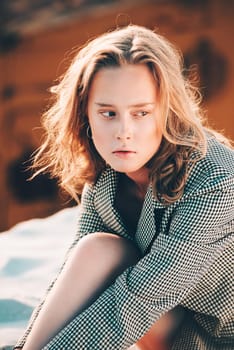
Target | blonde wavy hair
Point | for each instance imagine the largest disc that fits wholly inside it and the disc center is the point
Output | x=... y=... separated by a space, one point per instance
x=69 y=154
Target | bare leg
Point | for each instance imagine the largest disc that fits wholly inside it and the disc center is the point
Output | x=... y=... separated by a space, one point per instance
x=161 y=334
x=93 y=265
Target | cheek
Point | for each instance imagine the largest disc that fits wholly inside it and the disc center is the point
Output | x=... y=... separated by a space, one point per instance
x=95 y=129
x=153 y=131
x=158 y=133
x=99 y=136
x=100 y=140
x=156 y=137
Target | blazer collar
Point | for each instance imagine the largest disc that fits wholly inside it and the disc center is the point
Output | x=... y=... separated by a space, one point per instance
x=147 y=226
x=106 y=188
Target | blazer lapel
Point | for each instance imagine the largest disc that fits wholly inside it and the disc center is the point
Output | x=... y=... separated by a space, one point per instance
x=104 y=201
x=150 y=218
x=149 y=222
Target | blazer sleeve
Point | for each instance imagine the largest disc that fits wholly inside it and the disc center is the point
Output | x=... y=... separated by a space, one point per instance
x=88 y=222
x=195 y=252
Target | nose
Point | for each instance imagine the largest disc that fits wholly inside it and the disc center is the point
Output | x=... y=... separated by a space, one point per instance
x=124 y=130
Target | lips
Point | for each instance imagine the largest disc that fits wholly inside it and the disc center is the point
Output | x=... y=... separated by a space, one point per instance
x=123 y=153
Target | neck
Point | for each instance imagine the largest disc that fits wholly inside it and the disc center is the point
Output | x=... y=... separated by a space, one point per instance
x=140 y=180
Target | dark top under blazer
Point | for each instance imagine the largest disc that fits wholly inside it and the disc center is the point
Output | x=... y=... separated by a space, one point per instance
x=187 y=260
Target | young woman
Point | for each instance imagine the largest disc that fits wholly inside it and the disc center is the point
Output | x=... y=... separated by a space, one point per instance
x=155 y=225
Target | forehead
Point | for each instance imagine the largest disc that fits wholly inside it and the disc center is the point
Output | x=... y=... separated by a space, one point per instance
x=128 y=82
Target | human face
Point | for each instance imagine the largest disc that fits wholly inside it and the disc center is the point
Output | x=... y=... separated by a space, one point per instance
x=123 y=117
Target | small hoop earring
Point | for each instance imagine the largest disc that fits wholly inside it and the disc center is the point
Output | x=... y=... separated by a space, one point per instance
x=88 y=132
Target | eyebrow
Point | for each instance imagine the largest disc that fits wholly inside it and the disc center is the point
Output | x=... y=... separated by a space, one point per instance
x=142 y=104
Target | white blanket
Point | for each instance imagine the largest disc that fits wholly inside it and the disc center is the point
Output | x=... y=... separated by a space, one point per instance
x=30 y=256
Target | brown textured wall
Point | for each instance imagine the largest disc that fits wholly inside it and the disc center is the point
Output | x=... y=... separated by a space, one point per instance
x=204 y=33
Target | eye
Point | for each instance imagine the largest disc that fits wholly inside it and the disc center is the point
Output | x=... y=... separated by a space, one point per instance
x=140 y=114
x=107 y=114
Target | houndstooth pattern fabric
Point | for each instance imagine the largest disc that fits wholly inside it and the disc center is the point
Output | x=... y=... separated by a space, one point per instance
x=187 y=260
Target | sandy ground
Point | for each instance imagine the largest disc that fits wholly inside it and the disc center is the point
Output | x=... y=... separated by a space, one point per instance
x=31 y=254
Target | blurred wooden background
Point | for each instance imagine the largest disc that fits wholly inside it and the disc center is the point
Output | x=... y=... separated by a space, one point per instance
x=36 y=43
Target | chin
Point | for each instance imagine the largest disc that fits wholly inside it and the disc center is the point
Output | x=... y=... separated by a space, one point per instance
x=124 y=169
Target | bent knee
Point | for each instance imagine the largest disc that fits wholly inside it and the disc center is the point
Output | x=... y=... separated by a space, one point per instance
x=100 y=245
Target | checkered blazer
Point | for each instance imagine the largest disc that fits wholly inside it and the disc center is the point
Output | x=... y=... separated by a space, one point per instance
x=187 y=260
